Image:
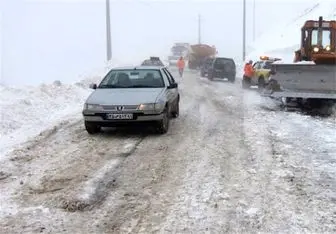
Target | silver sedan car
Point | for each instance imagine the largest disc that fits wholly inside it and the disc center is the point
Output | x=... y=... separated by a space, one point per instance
x=132 y=95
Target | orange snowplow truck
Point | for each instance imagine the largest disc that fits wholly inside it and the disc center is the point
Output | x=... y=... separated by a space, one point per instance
x=318 y=42
x=312 y=81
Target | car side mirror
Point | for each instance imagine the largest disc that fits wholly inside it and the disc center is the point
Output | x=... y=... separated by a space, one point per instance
x=93 y=86
x=173 y=86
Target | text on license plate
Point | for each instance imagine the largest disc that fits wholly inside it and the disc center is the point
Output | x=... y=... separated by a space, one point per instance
x=119 y=116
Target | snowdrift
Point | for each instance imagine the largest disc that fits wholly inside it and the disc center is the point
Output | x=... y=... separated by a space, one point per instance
x=283 y=40
x=27 y=111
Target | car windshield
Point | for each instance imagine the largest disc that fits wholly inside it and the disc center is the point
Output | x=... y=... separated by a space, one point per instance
x=130 y=78
x=268 y=65
x=326 y=37
x=223 y=61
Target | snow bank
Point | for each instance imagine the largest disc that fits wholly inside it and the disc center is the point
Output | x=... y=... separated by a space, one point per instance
x=27 y=111
x=283 y=40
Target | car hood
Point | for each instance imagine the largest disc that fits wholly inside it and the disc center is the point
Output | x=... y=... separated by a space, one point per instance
x=133 y=96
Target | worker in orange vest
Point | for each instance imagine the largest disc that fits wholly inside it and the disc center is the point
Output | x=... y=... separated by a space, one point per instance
x=180 y=65
x=248 y=74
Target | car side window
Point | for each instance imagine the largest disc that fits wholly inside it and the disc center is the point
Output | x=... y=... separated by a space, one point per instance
x=256 y=65
x=267 y=65
x=170 y=77
x=166 y=76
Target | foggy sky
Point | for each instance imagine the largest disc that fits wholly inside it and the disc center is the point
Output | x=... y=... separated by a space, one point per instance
x=47 y=40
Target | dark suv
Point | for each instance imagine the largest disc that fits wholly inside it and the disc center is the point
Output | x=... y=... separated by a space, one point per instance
x=219 y=67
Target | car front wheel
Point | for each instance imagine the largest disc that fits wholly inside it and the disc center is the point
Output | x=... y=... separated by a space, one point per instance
x=163 y=124
x=92 y=128
x=176 y=111
x=261 y=83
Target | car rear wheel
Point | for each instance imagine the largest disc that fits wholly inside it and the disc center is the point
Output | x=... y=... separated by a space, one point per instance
x=163 y=124
x=92 y=128
x=210 y=76
x=232 y=79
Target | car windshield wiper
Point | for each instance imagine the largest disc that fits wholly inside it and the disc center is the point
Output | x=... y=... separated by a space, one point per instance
x=110 y=86
x=142 y=86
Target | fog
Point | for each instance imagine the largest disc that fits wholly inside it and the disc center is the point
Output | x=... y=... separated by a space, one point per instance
x=43 y=41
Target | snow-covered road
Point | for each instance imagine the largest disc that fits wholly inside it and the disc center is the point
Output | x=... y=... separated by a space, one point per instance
x=227 y=164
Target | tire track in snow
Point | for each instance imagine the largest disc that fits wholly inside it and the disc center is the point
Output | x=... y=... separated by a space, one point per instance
x=92 y=192
x=61 y=164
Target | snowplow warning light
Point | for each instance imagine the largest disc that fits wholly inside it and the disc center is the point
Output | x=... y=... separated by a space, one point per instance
x=269 y=58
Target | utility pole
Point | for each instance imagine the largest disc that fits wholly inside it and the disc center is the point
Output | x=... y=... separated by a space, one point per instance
x=244 y=29
x=199 y=29
x=254 y=20
x=108 y=32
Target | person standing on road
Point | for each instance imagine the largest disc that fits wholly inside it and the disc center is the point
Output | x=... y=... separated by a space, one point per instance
x=248 y=74
x=181 y=65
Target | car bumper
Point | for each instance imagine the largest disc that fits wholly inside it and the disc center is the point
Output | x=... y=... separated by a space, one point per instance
x=138 y=119
x=223 y=75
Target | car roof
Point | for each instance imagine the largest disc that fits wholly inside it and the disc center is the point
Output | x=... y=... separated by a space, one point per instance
x=224 y=58
x=138 y=68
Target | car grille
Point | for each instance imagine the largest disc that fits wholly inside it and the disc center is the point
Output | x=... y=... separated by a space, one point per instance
x=125 y=107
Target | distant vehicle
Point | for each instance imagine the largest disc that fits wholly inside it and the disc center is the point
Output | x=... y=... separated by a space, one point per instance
x=178 y=50
x=152 y=61
x=219 y=67
x=262 y=71
x=198 y=53
x=133 y=95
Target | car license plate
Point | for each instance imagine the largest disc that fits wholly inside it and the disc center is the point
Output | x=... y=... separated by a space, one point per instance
x=119 y=116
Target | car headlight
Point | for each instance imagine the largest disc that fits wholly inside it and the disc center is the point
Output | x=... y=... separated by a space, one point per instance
x=148 y=106
x=316 y=49
x=92 y=107
x=327 y=48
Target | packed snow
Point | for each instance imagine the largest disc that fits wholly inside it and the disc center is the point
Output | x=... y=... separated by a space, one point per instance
x=231 y=161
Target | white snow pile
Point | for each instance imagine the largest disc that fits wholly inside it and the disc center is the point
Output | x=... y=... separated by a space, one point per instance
x=283 y=40
x=27 y=111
